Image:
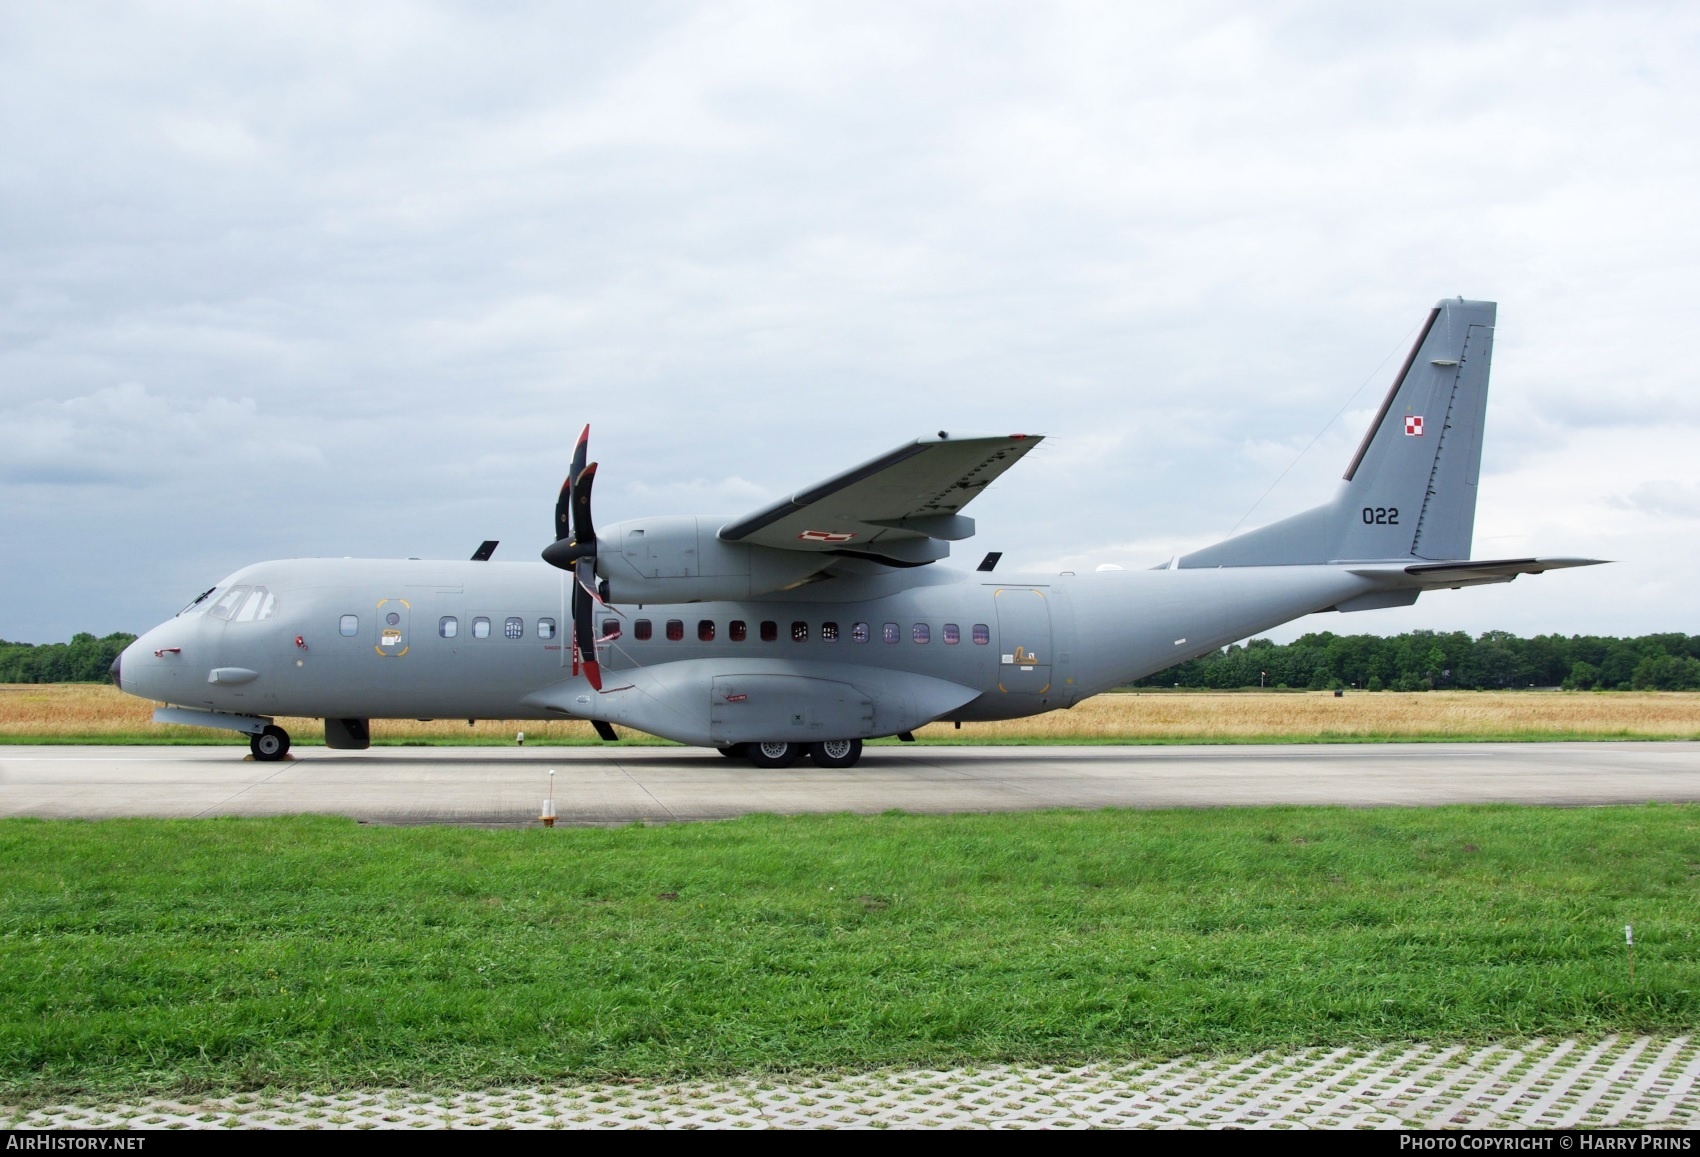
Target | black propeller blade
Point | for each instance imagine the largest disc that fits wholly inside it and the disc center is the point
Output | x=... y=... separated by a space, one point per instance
x=574 y=549
x=584 y=576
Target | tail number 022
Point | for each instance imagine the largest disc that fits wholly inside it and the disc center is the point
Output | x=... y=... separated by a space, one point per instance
x=1381 y=516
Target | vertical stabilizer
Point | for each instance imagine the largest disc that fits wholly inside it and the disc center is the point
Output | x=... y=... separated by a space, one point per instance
x=1410 y=491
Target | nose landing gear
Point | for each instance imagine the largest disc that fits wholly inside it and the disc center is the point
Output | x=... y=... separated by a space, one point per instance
x=269 y=745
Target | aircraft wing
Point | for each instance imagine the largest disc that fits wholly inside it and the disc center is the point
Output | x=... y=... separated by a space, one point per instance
x=1435 y=575
x=902 y=507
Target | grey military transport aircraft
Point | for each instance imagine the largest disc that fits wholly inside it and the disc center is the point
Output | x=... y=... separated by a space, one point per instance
x=816 y=622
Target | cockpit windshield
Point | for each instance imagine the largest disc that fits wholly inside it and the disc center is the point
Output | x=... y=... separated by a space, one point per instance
x=200 y=602
x=244 y=604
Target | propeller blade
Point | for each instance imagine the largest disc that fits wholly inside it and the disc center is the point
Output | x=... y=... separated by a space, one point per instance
x=584 y=528
x=581 y=450
x=564 y=504
x=584 y=626
x=564 y=511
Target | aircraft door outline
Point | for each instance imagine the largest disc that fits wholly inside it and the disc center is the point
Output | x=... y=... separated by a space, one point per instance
x=393 y=628
x=1024 y=640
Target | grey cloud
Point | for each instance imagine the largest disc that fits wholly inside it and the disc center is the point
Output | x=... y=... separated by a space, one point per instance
x=1663 y=497
x=757 y=243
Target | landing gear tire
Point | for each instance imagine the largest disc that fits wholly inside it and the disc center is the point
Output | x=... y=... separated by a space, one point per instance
x=734 y=750
x=270 y=744
x=775 y=753
x=836 y=753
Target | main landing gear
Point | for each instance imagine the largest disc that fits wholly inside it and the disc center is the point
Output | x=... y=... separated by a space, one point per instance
x=269 y=745
x=833 y=753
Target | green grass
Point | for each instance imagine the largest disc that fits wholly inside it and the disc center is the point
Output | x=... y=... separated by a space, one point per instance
x=147 y=956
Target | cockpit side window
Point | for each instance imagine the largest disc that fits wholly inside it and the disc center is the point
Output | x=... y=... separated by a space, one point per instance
x=261 y=604
x=229 y=601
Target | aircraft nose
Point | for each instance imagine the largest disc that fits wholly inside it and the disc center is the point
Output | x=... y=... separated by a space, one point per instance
x=117 y=662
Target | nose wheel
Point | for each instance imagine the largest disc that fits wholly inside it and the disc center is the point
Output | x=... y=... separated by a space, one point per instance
x=269 y=745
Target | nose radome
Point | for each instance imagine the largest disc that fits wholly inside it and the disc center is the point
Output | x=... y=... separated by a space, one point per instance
x=117 y=662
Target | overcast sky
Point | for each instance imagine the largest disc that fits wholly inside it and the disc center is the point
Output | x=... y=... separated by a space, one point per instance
x=346 y=279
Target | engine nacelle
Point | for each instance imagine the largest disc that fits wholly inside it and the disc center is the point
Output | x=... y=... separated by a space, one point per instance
x=681 y=560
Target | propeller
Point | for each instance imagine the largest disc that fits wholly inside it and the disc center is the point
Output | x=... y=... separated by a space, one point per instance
x=574 y=549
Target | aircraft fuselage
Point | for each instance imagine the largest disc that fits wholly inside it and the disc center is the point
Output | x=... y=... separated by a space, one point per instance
x=354 y=638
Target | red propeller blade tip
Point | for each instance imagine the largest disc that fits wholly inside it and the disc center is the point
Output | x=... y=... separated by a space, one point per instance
x=593 y=673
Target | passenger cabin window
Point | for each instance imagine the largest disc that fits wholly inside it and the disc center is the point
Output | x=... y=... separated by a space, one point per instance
x=545 y=628
x=641 y=630
x=610 y=628
x=348 y=626
x=481 y=628
x=448 y=626
x=799 y=632
x=891 y=632
x=829 y=632
x=514 y=628
x=952 y=634
x=769 y=631
x=921 y=633
x=675 y=630
x=982 y=634
x=859 y=633
x=737 y=630
x=228 y=602
x=705 y=631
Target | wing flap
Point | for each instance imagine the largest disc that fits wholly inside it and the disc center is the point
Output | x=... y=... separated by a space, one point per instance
x=908 y=495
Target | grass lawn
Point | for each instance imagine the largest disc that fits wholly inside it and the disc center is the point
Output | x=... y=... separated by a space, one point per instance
x=146 y=956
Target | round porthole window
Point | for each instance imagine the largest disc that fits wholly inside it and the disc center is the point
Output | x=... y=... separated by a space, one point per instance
x=392 y=618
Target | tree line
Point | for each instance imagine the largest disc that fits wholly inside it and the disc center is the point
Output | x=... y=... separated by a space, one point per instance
x=1426 y=660
x=85 y=659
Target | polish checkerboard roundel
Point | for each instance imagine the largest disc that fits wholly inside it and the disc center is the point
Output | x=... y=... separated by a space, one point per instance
x=1414 y=425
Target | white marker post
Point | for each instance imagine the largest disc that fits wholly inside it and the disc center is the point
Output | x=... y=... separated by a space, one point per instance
x=1629 y=939
x=548 y=816
x=519 y=740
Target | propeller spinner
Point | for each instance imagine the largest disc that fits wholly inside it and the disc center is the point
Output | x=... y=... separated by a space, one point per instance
x=574 y=549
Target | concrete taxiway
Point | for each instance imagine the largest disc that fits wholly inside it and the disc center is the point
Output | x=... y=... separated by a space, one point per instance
x=614 y=785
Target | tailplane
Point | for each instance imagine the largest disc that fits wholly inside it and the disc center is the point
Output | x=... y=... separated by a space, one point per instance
x=1410 y=491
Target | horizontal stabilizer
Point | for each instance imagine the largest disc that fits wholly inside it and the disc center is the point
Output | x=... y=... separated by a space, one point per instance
x=1436 y=575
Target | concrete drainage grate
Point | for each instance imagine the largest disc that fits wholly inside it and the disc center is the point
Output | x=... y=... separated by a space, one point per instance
x=1614 y=1082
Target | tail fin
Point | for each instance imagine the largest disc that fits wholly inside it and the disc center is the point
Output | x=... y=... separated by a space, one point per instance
x=1410 y=491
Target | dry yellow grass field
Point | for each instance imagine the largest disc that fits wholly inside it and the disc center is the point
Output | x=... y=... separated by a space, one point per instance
x=96 y=713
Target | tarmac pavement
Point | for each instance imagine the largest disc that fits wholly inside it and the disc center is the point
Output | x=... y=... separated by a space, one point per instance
x=617 y=785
